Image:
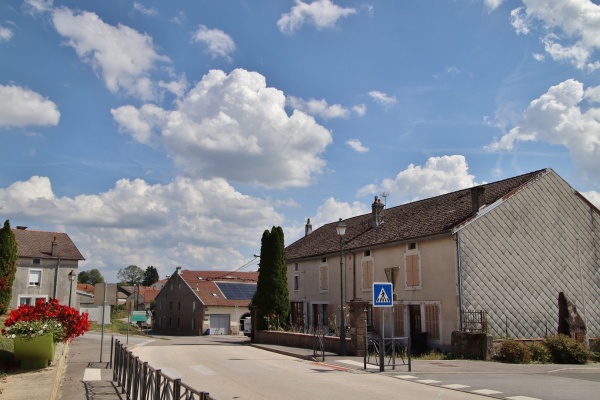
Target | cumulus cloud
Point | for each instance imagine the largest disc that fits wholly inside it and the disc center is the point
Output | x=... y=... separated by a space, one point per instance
x=357 y=146
x=438 y=176
x=492 y=4
x=333 y=209
x=321 y=13
x=360 y=110
x=218 y=42
x=235 y=127
x=188 y=222
x=561 y=116
x=146 y=11
x=5 y=34
x=382 y=98
x=318 y=107
x=21 y=107
x=569 y=29
x=121 y=55
x=593 y=197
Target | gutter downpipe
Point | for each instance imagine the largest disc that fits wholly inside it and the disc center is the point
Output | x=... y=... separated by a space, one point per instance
x=353 y=275
x=56 y=278
x=459 y=270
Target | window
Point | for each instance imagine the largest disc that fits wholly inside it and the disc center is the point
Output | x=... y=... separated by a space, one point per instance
x=296 y=267
x=193 y=306
x=367 y=253
x=170 y=307
x=367 y=274
x=31 y=300
x=398 y=320
x=412 y=263
x=296 y=282
x=193 y=323
x=36 y=261
x=432 y=321
x=324 y=260
x=35 y=277
x=323 y=278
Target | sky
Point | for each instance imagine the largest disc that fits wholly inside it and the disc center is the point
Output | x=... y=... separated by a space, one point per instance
x=175 y=133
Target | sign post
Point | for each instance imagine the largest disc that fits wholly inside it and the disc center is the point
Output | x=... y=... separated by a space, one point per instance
x=382 y=297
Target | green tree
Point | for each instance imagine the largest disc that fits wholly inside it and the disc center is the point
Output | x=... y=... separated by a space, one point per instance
x=8 y=265
x=272 y=296
x=150 y=276
x=132 y=275
x=90 y=277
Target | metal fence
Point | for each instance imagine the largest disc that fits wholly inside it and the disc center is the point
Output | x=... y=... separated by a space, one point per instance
x=139 y=381
x=474 y=321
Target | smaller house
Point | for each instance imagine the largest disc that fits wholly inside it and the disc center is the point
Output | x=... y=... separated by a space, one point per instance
x=47 y=268
x=203 y=302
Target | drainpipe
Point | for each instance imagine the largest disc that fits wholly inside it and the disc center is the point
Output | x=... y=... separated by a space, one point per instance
x=56 y=278
x=353 y=275
x=458 y=268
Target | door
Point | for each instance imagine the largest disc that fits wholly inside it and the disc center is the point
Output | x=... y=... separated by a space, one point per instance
x=219 y=324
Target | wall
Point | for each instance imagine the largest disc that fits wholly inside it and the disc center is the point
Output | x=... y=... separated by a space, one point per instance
x=300 y=340
x=174 y=309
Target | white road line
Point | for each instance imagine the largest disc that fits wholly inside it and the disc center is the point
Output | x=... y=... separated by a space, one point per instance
x=455 y=386
x=428 y=381
x=485 y=391
x=202 y=369
x=92 y=374
x=406 y=377
x=357 y=363
x=521 y=398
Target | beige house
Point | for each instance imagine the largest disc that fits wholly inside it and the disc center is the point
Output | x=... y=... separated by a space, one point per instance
x=45 y=261
x=201 y=302
x=506 y=249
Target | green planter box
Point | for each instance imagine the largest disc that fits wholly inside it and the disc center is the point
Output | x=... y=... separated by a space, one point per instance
x=35 y=353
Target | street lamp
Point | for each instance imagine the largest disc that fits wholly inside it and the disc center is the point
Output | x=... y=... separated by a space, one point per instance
x=341 y=231
x=71 y=279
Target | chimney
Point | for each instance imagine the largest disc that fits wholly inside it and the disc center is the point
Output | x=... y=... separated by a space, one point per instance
x=307 y=228
x=178 y=270
x=476 y=198
x=54 y=247
x=377 y=212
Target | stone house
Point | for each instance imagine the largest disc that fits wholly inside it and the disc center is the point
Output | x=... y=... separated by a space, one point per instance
x=45 y=261
x=503 y=251
x=200 y=302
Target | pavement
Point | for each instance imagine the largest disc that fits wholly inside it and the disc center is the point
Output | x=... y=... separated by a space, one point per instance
x=80 y=371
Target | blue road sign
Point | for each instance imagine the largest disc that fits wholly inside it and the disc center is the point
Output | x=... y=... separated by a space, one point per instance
x=382 y=294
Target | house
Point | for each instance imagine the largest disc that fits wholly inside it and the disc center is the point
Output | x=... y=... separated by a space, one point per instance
x=47 y=268
x=85 y=295
x=502 y=251
x=198 y=302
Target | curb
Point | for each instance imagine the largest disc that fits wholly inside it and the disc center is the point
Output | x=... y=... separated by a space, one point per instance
x=61 y=367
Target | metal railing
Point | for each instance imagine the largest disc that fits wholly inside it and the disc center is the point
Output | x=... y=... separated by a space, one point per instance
x=139 y=381
x=378 y=348
x=474 y=321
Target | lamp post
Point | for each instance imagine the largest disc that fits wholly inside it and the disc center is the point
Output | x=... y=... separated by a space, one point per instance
x=71 y=279
x=341 y=231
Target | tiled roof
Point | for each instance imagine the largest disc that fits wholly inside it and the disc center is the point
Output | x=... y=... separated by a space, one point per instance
x=411 y=221
x=38 y=244
x=204 y=284
x=86 y=287
x=149 y=294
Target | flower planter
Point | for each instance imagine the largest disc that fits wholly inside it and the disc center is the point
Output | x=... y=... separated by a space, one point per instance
x=35 y=353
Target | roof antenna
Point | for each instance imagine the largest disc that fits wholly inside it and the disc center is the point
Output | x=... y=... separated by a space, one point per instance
x=385 y=195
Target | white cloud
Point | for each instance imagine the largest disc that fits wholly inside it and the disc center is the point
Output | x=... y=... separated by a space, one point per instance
x=22 y=107
x=557 y=117
x=382 y=98
x=321 y=13
x=593 y=197
x=570 y=29
x=332 y=210
x=492 y=4
x=438 y=176
x=38 y=6
x=219 y=43
x=318 y=107
x=235 y=127
x=357 y=146
x=5 y=34
x=146 y=11
x=185 y=222
x=360 y=110
x=592 y=94
x=123 y=56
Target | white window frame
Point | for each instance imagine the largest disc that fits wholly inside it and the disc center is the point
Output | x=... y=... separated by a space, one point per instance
x=33 y=298
x=39 y=276
x=296 y=282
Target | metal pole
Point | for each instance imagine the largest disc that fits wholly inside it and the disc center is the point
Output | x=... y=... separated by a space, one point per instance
x=382 y=343
x=343 y=322
x=103 y=311
x=70 y=290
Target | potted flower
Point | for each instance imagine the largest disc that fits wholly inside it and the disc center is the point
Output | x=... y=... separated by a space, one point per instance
x=36 y=330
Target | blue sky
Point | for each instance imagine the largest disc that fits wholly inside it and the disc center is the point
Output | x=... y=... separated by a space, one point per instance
x=174 y=133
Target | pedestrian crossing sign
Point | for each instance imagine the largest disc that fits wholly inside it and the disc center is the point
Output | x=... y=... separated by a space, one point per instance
x=382 y=294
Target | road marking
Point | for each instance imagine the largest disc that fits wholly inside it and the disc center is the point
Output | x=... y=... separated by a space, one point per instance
x=204 y=370
x=521 y=398
x=92 y=374
x=455 y=386
x=357 y=363
x=406 y=377
x=485 y=391
x=428 y=381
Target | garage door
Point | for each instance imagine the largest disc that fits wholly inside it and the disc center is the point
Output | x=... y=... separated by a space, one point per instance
x=219 y=324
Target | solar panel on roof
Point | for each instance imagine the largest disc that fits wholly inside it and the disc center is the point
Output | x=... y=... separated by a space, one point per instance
x=237 y=291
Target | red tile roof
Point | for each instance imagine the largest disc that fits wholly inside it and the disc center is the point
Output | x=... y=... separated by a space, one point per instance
x=204 y=283
x=38 y=244
x=407 y=222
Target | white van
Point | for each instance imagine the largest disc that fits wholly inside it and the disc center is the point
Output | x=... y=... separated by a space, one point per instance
x=247 y=326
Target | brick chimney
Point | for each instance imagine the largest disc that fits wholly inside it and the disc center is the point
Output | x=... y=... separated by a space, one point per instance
x=376 y=212
x=476 y=198
x=307 y=228
x=54 y=247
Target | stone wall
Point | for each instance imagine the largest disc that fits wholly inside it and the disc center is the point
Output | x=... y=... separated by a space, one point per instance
x=472 y=346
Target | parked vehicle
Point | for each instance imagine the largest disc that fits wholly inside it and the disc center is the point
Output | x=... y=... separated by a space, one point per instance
x=248 y=326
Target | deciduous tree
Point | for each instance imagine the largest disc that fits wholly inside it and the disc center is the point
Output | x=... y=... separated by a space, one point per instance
x=132 y=275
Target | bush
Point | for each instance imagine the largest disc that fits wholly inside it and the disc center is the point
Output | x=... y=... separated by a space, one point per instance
x=513 y=352
x=540 y=353
x=566 y=350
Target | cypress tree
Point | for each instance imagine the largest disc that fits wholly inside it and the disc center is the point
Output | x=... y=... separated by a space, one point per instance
x=8 y=265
